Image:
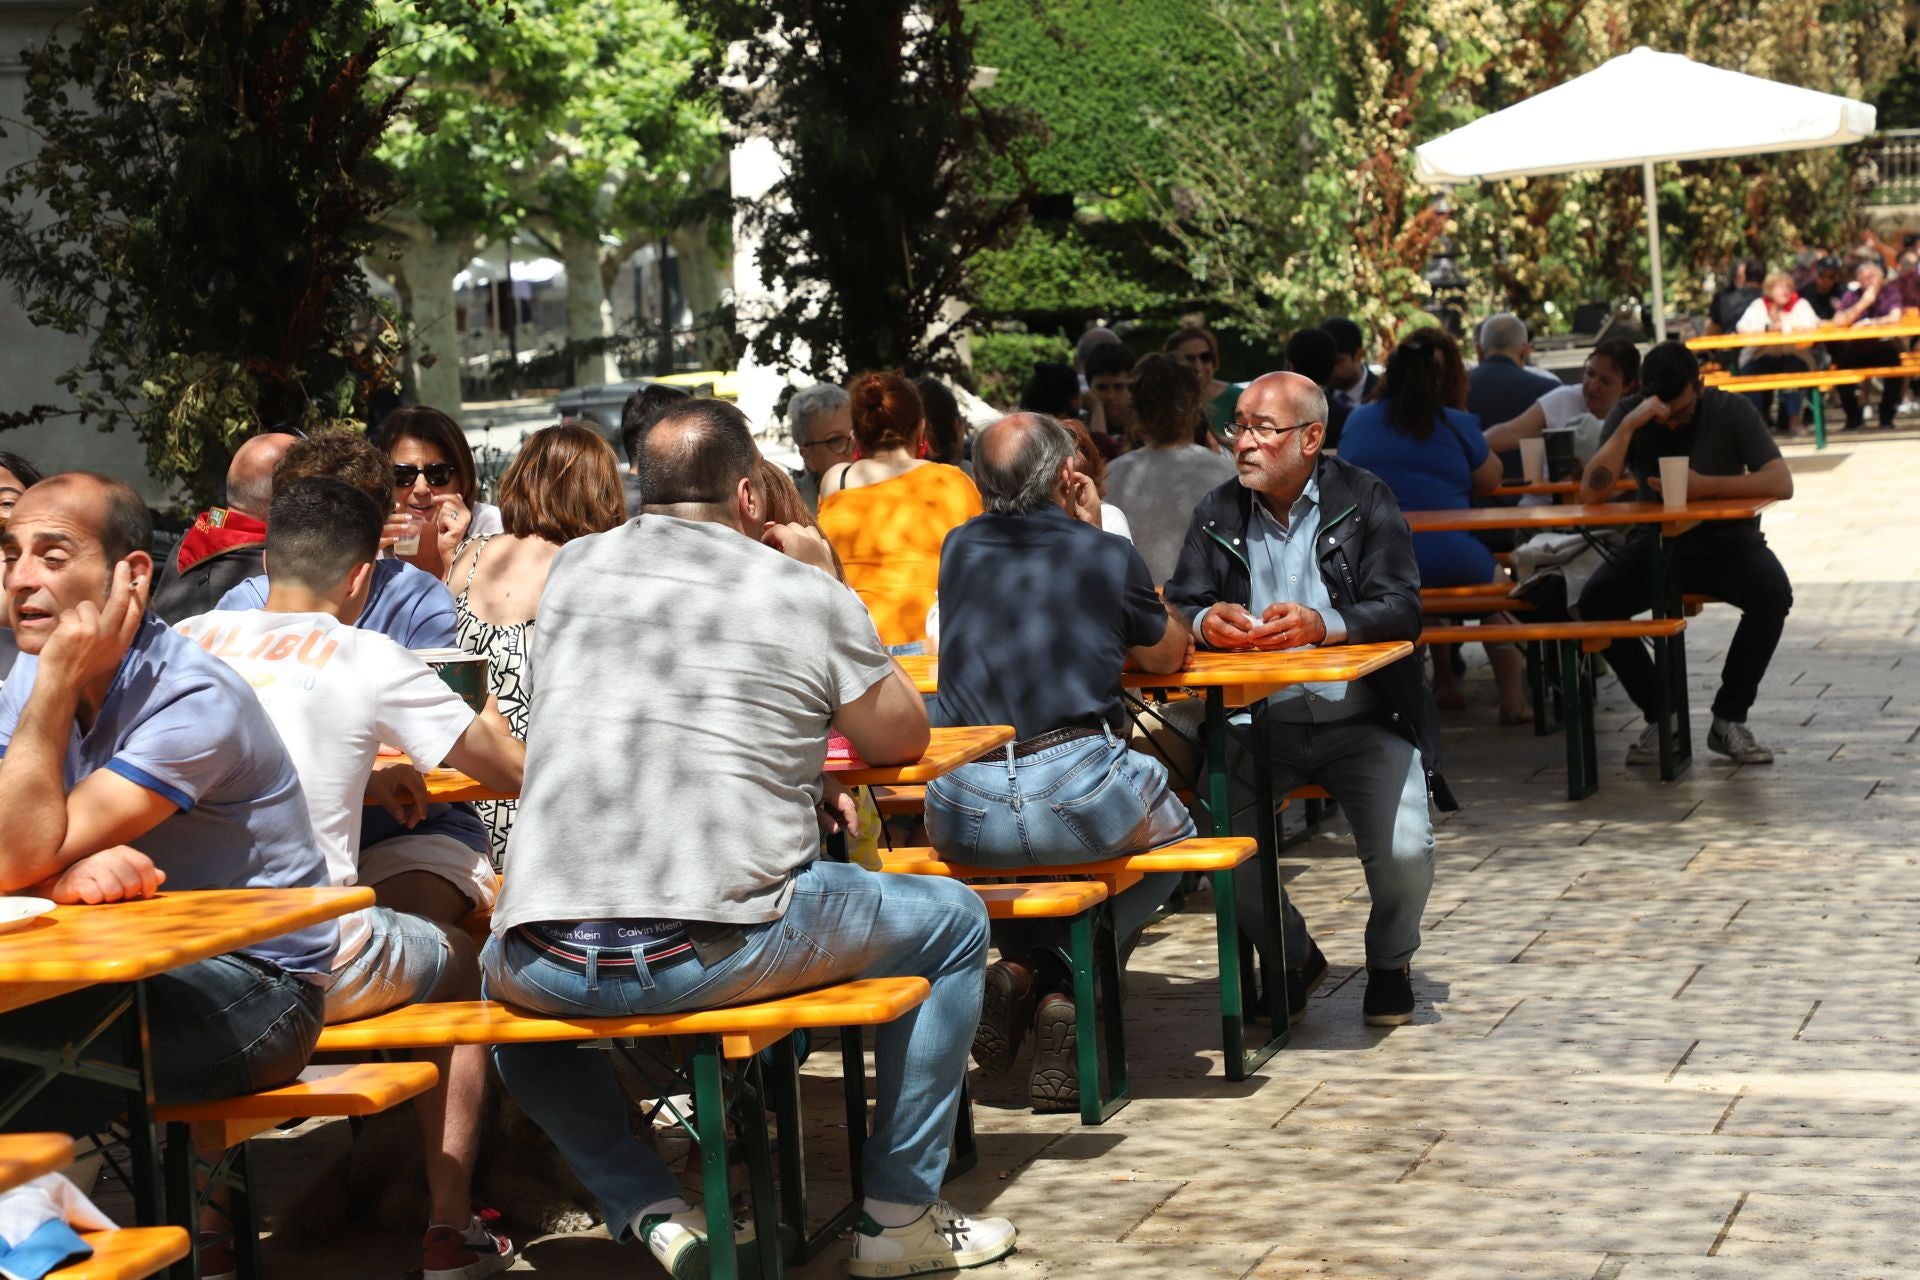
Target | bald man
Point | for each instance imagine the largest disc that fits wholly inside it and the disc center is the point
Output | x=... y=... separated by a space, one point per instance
x=1304 y=549
x=130 y=758
x=223 y=548
x=1040 y=611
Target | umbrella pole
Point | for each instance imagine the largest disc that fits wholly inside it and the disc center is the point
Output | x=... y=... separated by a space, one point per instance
x=1653 y=253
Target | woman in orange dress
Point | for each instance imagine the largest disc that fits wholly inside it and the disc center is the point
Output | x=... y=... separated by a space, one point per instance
x=888 y=513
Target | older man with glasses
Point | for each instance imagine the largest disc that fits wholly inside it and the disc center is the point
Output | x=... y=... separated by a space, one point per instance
x=1300 y=549
x=820 y=420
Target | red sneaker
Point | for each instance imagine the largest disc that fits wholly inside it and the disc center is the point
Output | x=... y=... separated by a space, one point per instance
x=453 y=1254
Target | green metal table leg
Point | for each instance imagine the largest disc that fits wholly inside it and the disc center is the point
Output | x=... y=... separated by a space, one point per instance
x=1241 y=1063
x=1819 y=421
x=783 y=1094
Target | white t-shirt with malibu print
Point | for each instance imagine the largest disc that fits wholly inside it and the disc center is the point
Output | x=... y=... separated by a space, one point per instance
x=335 y=693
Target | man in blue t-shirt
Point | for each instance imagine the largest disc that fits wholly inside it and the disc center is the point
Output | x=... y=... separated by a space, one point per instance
x=440 y=867
x=171 y=774
x=1039 y=613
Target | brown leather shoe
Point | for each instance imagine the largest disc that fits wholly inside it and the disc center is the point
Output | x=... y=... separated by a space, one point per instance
x=1005 y=1012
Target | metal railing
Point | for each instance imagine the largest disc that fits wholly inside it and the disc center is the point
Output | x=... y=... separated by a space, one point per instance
x=1890 y=169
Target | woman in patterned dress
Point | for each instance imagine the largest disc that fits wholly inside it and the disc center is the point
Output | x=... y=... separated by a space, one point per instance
x=563 y=484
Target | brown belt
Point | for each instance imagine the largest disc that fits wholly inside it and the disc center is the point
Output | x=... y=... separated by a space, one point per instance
x=1043 y=742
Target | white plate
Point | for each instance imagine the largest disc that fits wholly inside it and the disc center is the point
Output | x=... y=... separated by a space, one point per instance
x=15 y=912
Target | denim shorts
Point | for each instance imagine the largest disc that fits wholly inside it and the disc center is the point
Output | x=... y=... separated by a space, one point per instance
x=403 y=962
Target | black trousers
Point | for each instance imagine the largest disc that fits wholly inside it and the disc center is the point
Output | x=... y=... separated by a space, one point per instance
x=1744 y=572
x=1869 y=353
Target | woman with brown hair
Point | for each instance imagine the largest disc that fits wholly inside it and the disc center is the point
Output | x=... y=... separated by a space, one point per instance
x=563 y=484
x=887 y=514
x=1197 y=348
x=435 y=483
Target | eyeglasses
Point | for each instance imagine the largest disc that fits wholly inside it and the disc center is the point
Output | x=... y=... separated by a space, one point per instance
x=437 y=474
x=841 y=443
x=1262 y=434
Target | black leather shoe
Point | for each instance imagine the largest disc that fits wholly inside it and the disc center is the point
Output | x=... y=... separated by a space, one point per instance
x=1304 y=981
x=1389 y=1001
x=1005 y=1012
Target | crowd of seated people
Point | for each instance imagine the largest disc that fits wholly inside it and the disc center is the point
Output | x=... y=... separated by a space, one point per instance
x=235 y=716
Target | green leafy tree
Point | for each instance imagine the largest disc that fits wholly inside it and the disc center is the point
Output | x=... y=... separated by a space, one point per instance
x=1305 y=204
x=564 y=119
x=204 y=189
x=887 y=201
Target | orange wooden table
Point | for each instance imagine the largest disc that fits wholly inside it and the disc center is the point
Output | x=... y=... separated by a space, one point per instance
x=947 y=751
x=1586 y=515
x=1553 y=488
x=1804 y=337
x=25 y=1156
x=124 y=944
x=1243 y=678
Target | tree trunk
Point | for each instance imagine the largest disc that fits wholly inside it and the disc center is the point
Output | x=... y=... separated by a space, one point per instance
x=589 y=313
x=700 y=282
x=433 y=365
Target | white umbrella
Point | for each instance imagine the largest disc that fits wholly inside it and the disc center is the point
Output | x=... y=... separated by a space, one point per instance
x=1643 y=108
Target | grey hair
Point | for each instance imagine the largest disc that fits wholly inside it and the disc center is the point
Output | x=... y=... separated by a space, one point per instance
x=1502 y=331
x=1025 y=483
x=812 y=402
x=1311 y=404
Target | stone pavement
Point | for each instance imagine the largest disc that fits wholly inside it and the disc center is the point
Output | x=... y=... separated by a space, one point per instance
x=1666 y=1033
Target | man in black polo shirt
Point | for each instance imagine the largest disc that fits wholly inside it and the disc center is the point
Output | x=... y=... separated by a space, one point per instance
x=1039 y=613
x=1731 y=455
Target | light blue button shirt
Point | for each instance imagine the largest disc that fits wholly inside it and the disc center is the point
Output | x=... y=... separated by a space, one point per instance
x=1283 y=567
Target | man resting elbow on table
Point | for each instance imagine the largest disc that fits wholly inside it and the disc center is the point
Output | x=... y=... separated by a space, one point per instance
x=171 y=774
x=336 y=692
x=665 y=855
x=1306 y=549
x=1041 y=612
x=1731 y=454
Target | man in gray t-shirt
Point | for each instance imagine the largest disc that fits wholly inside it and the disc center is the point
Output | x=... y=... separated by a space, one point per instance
x=665 y=857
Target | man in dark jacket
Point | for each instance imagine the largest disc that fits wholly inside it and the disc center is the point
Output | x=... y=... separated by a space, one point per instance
x=225 y=545
x=1303 y=549
x=1503 y=386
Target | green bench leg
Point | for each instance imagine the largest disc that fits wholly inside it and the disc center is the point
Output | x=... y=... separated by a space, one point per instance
x=1583 y=771
x=1671 y=706
x=1819 y=420
x=1088 y=931
x=724 y=1262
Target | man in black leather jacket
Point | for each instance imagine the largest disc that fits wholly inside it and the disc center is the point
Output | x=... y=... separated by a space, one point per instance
x=1304 y=549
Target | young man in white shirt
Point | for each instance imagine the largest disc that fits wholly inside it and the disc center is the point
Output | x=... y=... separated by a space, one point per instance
x=335 y=693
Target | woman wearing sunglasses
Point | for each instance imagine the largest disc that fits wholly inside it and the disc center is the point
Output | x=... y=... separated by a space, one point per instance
x=435 y=486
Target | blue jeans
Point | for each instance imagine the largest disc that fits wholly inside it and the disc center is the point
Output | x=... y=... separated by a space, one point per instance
x=1081 y=801
x=842 y=923
x=1376 y=777
x=220 y=1027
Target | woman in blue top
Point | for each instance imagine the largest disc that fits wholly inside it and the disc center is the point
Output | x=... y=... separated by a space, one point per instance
x=1430 y=451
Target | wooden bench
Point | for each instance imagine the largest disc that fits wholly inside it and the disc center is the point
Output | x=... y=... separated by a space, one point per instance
x=357 y=1090
x=1573 y=641
x=1814 y=381
x=125 y=1254
x=1214 y=856
x=128 y=1253
x=716 y=1036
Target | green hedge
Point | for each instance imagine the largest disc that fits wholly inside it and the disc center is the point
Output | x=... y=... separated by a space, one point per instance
x=1002 y=362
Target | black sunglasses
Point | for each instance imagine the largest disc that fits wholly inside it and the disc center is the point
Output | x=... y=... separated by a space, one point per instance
x=437 y=473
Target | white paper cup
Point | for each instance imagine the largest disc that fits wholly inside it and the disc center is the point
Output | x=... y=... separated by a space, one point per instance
x=409 y=545
x=1533 y=460
x=1673 y=481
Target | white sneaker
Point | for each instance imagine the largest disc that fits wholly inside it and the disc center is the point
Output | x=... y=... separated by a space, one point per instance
x=1647 y=749
x=679 y=1241
x=941 y=1239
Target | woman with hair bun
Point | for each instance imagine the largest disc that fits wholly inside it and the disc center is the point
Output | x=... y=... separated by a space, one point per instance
x=887 y=513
